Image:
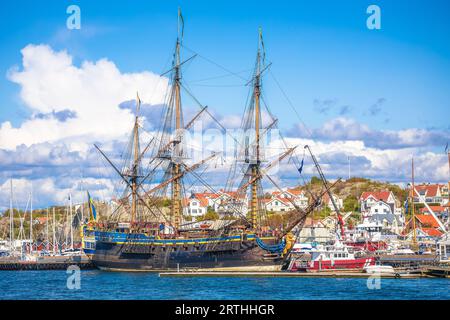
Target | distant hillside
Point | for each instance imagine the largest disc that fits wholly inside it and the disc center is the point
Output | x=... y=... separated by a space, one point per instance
x=351 y=189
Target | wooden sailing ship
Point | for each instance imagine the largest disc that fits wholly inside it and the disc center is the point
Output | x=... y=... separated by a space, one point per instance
x=157 y=237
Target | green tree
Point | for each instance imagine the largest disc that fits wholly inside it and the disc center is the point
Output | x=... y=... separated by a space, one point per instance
x=350 y=203
x=210 y=215
x=315 y=180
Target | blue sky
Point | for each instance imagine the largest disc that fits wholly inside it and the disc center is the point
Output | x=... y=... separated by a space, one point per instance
x=379 y=95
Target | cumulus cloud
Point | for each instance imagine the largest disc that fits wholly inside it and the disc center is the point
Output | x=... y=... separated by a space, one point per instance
x=71 y=107
x=69 y=101
x=342 y=128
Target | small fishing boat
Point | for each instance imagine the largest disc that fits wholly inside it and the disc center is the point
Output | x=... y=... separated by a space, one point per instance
x=379 y=269
x=331 y=257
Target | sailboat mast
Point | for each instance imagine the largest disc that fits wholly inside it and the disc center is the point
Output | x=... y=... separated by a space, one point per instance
x=448 y=155
x=255 y=166
x=135 y=163
x=71 y=222
x=176 y=185
x=46 y=232
x=413 y=215
x=11 y=218
x=31 y=219
x=54 y=232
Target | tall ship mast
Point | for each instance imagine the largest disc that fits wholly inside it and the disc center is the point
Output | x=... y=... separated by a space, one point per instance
x=148 y=230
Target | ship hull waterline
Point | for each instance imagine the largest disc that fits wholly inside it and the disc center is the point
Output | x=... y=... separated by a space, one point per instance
x=226 y=256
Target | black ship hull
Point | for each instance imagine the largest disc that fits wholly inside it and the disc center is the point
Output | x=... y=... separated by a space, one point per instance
x=131 y=257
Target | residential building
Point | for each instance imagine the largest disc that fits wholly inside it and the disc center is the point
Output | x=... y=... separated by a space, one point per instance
x=195 y=205
x=430 y=193
x=278 y=204
x=370 y=198
x=426 y=224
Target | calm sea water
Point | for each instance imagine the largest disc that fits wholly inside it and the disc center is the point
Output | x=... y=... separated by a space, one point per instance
x=113 y=285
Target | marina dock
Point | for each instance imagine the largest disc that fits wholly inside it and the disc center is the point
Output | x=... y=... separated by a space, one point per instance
x=47 y=263
x=437 y=271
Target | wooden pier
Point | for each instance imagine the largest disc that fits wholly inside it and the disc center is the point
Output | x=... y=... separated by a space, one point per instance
x=437 y=271
x=47 y=263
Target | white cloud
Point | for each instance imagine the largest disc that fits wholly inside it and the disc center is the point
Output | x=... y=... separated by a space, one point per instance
x=342 y=128
x=51 y=83
x=74 y=106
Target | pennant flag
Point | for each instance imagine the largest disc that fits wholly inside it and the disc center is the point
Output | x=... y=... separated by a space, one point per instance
x=92 y=207
x=262 y=44
x=301 y=167
x=138 y=103
x=446 y=148
x=181 y=23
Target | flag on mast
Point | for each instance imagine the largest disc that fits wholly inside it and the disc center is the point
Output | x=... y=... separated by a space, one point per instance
x=262 y=45
x=180 y=23
x=92 y=207
x=138 y=103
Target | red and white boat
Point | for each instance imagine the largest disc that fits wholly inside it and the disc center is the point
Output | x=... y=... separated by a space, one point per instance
x=330 y=257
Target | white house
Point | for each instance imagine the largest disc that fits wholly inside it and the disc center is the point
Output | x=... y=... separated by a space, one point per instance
x=278 y=204
x=195 y=206
x=296 y=195
x=371 y=198
x=381 y=212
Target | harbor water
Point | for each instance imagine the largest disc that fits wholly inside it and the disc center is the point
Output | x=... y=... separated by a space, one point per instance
x=95 y=284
